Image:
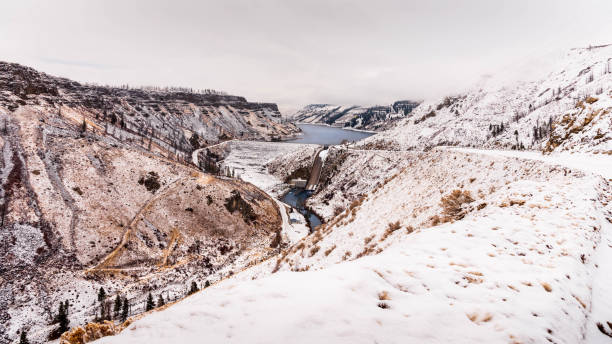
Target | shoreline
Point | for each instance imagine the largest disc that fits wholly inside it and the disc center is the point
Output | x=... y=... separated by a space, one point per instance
x=344 y=128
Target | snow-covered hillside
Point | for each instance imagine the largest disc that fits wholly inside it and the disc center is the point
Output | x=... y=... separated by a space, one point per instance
x=518 y=114
x=427 y=242
x=358 y=117
x=519 y=255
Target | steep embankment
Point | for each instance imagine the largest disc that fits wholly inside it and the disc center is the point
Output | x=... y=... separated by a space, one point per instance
x=358 y=117
x=87 y=204
x=572 y=101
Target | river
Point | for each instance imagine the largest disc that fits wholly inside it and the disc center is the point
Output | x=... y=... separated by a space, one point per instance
x=322 y=135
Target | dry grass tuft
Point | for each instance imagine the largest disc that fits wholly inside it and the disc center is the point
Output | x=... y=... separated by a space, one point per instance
x=384 y=295
x=453 y=205
x=368 y=239
x=329 y=250
x=591 y=100
x=392 y=227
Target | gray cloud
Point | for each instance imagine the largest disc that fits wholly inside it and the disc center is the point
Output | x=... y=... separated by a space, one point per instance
x=295 y=52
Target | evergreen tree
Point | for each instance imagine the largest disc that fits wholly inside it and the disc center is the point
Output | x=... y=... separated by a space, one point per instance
x=102 y=312
x=83 y=126
x=101 y=294
x=117 y=307
x=194 y=140
x=150 y=303
x=23 y=339
x=160 y=301
x=206 y=284
x=194 y=288
x=62 y=319
x=126 y=309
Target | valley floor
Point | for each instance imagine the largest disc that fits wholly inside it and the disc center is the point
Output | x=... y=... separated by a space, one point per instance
x=528 y=261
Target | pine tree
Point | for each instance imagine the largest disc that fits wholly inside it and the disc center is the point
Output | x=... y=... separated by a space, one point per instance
x=117 y=307
x=150 y=303
x=160 y=301
x=83 y=126
x=62 y=318
x=126 y=309
x=194 y=288
x=101 y=294
x=103 y=314
x=206 y=284
x=23 y=339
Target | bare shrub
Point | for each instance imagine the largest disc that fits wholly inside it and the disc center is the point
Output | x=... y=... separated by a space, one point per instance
x=384 y=295
x=435 y=220
x=591 y=100
x=383 y=305
x=392 y=227
x=453 y=205
x=329 y=250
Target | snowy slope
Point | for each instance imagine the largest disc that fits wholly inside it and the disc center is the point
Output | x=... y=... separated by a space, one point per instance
x=535 y=103
x=359 y=117
x=523 y=265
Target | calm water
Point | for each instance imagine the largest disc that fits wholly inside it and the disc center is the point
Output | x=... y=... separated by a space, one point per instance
x=296 y=198
x=324 y=135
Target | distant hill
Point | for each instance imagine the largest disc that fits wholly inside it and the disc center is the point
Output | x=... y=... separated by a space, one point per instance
x=358 y=117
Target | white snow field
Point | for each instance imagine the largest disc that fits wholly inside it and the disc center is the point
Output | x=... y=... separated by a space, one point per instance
x=530 y=266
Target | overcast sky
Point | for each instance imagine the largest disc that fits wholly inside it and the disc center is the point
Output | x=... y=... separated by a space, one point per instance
x=295 y=52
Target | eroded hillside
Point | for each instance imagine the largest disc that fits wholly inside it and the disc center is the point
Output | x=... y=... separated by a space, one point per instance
x=169 y=116
x=83 y=209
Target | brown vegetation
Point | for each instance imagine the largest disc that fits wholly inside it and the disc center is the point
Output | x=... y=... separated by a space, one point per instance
x=453 y=205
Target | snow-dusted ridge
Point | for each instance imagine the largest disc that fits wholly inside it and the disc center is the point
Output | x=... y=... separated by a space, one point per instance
x=573 y=100
x=373 y=118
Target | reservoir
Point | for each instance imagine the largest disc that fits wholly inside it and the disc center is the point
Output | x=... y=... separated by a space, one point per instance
x=322 y=135
x=328 y=136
